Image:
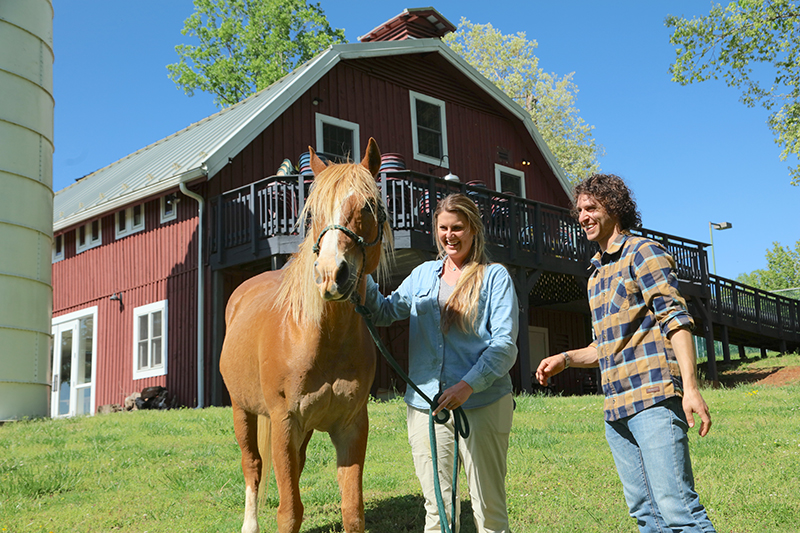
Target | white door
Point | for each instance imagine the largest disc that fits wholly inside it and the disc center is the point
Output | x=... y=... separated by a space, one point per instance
x=73 y=365
x=539 y=347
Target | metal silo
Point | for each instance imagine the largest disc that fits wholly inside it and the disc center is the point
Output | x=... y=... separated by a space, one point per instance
x=26 y=206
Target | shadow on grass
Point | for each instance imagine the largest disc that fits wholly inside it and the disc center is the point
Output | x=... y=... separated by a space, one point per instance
x=399 y=514
x=736 y=372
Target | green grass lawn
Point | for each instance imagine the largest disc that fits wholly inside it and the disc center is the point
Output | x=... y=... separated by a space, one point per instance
x=164 y=471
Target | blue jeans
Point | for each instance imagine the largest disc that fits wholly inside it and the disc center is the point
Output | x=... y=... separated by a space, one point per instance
x=651 y=451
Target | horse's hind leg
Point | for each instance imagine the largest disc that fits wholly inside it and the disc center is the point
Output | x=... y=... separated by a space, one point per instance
x=245 y=425
x=351 y=450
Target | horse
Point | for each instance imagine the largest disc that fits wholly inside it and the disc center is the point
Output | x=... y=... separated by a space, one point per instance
x=297 y=358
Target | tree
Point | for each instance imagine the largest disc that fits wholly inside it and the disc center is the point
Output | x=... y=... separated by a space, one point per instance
x=741 y=43
x=783 y=270
x=246 y=45
x=509 y=62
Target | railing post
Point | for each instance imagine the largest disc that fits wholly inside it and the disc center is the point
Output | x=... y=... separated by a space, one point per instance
x=301 y=203
x=538 y=232
x=253 y=220
x=221 y=207
x=513 y=241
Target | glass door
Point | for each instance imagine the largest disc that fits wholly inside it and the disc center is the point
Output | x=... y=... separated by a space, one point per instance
x=73 y=366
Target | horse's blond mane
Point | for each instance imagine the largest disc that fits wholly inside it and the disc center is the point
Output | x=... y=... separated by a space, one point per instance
x=298 y=294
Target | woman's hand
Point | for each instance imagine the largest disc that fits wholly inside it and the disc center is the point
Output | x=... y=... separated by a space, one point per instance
x=454 y=397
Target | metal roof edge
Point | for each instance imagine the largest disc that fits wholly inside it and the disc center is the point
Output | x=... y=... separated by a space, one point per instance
x=125 y=200
x=314 y=69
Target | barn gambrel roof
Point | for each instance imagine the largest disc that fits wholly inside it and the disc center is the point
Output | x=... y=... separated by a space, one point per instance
x=204 y=148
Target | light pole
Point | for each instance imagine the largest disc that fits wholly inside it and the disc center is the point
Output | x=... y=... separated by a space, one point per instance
x=718 y=226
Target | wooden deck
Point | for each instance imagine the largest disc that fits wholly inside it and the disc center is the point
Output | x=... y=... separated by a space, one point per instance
x=259 y=222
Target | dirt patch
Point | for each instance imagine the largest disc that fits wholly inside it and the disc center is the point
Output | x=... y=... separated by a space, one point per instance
x=776 y=375
x=783 y=376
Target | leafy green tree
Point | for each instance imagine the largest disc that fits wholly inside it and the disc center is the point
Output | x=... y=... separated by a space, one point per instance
x=782 y=272
x=754 y=45
x=510 y=63
x=246 y=45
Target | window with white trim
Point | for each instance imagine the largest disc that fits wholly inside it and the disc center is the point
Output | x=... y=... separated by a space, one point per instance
x=129 y=221
x=338 y=137
x=150 y=340
x=58 y=248
x=169 y=207
x=429 y=129
x=88 y=236
x=509 y=180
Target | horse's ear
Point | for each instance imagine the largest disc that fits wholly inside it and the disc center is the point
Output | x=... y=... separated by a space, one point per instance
x=317 y=165
x=372 y=159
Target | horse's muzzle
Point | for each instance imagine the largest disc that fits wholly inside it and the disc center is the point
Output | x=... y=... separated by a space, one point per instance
x=337 y=282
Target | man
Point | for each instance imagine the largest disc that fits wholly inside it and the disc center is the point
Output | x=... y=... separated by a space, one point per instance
x=643 y=345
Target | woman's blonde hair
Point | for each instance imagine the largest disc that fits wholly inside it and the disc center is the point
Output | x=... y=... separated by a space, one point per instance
x=461 y=307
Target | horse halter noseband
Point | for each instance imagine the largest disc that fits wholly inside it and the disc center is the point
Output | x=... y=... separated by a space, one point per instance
x=359 y=240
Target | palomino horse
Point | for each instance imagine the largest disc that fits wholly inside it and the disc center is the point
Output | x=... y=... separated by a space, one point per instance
x=297 y=357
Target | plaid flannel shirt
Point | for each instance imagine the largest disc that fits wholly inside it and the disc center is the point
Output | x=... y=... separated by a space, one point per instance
x=633 y=294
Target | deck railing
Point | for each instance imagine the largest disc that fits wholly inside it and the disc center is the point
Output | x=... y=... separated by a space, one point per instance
x=742 y=305
x=270 y=207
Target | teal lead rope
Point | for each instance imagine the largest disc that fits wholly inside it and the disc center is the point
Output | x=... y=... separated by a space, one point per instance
x=459 y=421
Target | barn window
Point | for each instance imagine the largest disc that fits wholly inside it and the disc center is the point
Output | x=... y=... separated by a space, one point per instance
x=169 y=207
x=88 y=236
x=509 y=180
x=129 y=221
x=58 y=248
x=150 y=340
x=429 y=130
x=338 y=138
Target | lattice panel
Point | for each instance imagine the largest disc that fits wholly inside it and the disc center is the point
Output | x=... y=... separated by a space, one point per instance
x=556 y=288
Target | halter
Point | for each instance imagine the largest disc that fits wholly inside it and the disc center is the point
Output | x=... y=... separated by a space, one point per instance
x=359 y=240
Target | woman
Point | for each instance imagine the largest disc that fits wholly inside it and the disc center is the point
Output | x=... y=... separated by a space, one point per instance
x=463 y=320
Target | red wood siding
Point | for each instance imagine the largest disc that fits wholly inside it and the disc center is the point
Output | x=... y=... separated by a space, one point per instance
x=158 y=263
x=374 y=93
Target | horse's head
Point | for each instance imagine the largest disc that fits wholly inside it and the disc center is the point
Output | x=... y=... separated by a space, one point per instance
x=348 y=225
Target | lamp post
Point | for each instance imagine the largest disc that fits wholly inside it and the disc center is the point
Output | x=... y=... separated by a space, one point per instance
x=718 y=226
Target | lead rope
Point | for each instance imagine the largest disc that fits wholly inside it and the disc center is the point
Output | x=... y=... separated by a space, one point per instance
x=459 y=421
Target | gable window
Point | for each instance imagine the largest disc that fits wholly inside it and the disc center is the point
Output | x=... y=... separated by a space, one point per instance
x=169 y=207
x=129 y=221
x=338 y=138
x=428 y=129
x=58 y=248
x=88 y=236
x=509 y=180
x=150 y=340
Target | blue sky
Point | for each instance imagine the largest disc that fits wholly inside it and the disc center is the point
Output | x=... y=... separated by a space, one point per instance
x=691 y=154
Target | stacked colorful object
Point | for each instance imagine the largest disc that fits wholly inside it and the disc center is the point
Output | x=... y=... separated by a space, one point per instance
x=392 y=162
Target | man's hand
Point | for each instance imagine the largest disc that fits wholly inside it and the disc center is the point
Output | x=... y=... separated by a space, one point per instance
x=550 y=366
x=693 y=402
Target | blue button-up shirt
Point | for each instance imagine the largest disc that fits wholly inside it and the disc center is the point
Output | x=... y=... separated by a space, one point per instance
x=437 y=361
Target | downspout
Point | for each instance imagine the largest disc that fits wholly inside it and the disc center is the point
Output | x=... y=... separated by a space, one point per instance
x=201 y=209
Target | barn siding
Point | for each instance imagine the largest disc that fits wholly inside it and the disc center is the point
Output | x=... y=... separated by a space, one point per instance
x=155 y=264
x=374 y=93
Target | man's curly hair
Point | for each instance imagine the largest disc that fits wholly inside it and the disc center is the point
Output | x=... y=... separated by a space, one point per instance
x=615 y=197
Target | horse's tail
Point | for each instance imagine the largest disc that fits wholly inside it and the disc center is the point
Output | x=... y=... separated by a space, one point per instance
x=265 y=451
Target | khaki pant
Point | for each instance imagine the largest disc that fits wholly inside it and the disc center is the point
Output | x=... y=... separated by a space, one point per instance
x=483 y=456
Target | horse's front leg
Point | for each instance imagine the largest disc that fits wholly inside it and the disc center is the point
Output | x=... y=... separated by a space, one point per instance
x=351 y=449
x=287 y=443
x=245 y=426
